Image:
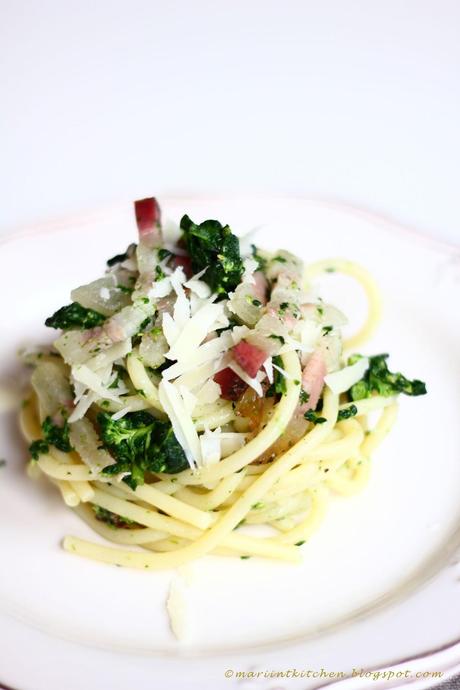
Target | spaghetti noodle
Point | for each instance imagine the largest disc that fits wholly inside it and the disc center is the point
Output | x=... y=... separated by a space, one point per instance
x=196 y=393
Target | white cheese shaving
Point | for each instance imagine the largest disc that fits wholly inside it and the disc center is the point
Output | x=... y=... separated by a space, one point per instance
x=161 y=288
x=205 y=353
x=83 y=406
x=195 y=331
x=93 y=381
x=208 y=393
x=104 y=293
x=198 y=376
x=238 y=333
x=182 y=306
x=210 y=446
x=189 y=399
x=182 y=423
x=253 y=383
x=230 y=442
x=250 y=265
x=121 y=413
x=199 y=287
x=178 y=607
x=282 y=371
x=268 y=366
x=170 y=329
x=310 y=332
x=342 y=380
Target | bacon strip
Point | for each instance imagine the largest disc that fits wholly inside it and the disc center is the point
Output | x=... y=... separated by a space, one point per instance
x=148 y=218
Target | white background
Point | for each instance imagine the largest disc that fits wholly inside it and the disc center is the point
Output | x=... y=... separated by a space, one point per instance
x=105 y=101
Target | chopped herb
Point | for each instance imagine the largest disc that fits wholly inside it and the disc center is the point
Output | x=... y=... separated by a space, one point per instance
x=320 y=310
x=300 y=543
x=159 y=273
x=125 y=289
x=257 y=506
x=37 y=448
x=330 y=269
x=304 y=397
x=281 y=259
x=112 y=519
x=156 y=331
x=140 y=443
x=245 y=558
x=278 y=387
x=262 y=261
x=241 y=522
x=312 y=416
x=212 y=245
x=117 y=259
x=277 y=337
x=327 y=329
x=164 y=254
x=145 y=300
x=347 y=412
x=257 y=302
x=74 y=316
x=379 y=379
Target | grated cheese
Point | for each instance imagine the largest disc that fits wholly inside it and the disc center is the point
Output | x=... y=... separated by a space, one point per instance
x=342 y=380
x=182 y=423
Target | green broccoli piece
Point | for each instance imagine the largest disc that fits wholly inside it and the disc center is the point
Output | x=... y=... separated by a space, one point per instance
x=379 y=379
x=214 y=246
x=74 y=316
x=140 y=443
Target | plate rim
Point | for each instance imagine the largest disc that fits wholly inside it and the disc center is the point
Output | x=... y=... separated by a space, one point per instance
x=59 y=224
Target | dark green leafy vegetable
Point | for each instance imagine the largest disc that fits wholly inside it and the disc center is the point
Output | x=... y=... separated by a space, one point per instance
x=312 y=416
x=346 y=413
x=74 y=316
x=57 y=436
x=112 y=519
x=278 y=387
x=379 y=379
x=214 y=246
x=37 y=448
x=117 y=259
x=140 y=443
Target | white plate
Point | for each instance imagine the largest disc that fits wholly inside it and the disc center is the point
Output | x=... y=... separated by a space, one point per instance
x=377 y=583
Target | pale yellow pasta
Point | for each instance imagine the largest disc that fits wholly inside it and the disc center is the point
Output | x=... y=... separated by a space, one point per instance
x=172 y=519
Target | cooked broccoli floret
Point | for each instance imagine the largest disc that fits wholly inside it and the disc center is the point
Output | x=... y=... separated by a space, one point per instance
x=74 y=316
x=140 y=443
x=379 y=379
x=214 y=246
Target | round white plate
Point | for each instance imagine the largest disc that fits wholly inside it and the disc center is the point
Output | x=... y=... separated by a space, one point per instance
x=378 y=583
